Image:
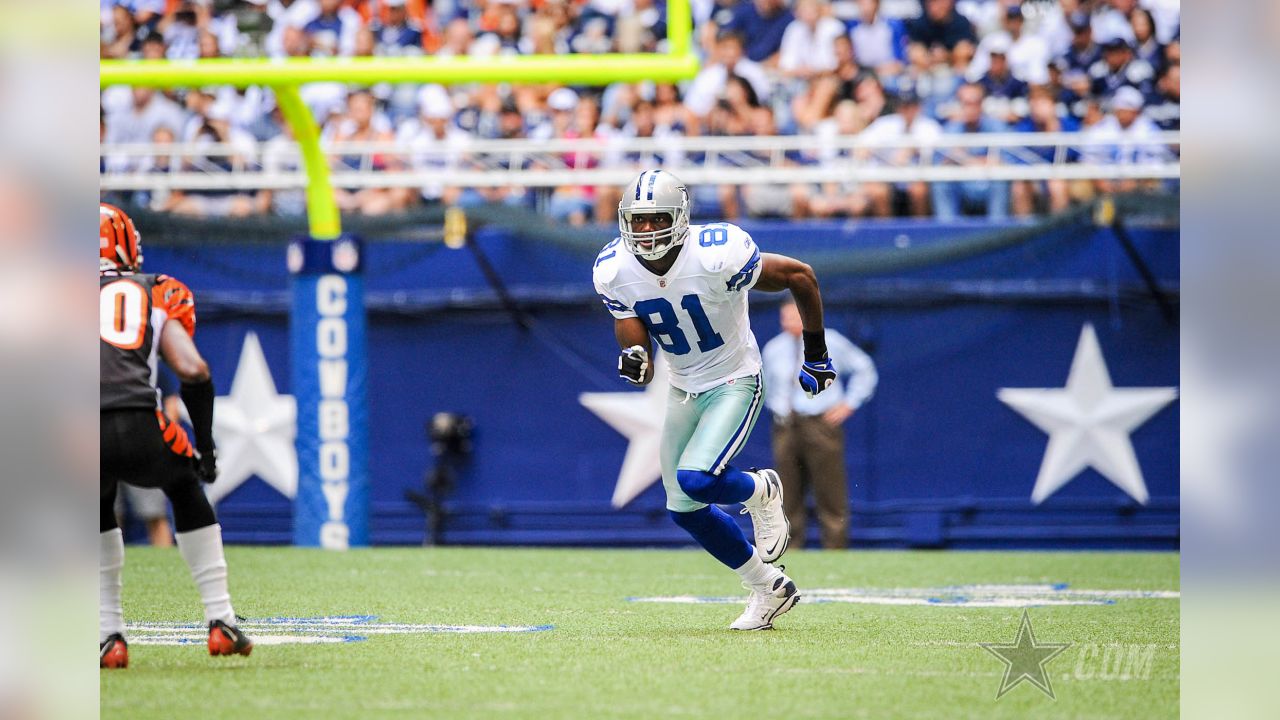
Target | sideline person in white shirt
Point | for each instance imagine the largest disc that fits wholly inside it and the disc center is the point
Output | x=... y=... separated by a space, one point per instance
x=808 y=433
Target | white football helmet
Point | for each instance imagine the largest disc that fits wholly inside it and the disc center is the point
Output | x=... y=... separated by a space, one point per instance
x=654 y=192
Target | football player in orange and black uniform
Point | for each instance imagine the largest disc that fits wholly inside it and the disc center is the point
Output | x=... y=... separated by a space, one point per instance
x=142 y=316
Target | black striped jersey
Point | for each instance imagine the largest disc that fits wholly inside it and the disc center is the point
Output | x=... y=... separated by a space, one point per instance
x=132 y=311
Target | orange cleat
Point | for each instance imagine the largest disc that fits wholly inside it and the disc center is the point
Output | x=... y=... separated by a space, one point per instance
x=113 y=652
x=227 y=639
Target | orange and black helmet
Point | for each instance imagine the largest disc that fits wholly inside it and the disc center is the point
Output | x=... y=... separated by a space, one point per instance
x=120 y=247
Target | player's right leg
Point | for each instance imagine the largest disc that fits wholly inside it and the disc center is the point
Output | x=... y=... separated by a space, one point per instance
x=113 y=651
x=772 y=592
x=728 y=414
x=199 y=539
x=114 y=456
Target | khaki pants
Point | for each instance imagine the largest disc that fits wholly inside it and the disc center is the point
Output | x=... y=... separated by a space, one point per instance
x=809 y=455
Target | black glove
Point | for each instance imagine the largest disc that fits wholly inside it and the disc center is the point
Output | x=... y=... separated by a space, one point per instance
x=633 y=365
x=207 y=465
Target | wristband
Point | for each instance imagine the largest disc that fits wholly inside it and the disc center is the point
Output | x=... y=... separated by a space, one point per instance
x=815 y=345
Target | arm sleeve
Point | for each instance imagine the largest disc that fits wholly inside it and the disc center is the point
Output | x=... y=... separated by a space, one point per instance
x=199 y=400
x=175 y=298
x=857 y=365
x=742 y=258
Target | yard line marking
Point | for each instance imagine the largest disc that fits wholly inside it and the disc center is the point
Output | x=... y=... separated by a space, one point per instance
x=983 y=595
x=299 y=630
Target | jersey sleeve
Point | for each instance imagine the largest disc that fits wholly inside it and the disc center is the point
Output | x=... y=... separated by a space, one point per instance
x=742 y=261
x=602 y=275
x=175 y=299
x=619 y=310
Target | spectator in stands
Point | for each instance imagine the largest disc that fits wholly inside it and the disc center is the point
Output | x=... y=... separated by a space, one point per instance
x=280 y=155
x=769 y=200
x=153 y=47
x=1083 y=52
x=149 y=111
x=1027 y=54
x=216 y=203
x=1164 y=108
x=907 y=122
x=398 y=35
x=1043 y=117
x=160 y=163
x=121 y=37
x=1146 y=46
x=934 y=82
x=762 y=23
x=670 y=115
x=543 y=38
x=363 y=122
x=145 y=13
x=180 y=26
x=594 y=38
x=1006 y=94
x=640 y=30
x=944 y=31
x=333 y=30
x=879 y=43
x=457 y=39
x=808 y=45
x=989 y=197
x=1133 y=136
x=1118 y=68
x=710 y=82
x=573 y=117
x=435 y=145
x=1110 y=19
x=825 y=91
x=505 y=123
x=1072 y=89
x=836 y=199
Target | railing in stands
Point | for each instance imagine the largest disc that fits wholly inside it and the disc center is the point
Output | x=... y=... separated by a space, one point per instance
x=708 y=160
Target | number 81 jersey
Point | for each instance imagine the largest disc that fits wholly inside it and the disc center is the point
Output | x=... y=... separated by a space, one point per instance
x=697 y=312
x=132 y=311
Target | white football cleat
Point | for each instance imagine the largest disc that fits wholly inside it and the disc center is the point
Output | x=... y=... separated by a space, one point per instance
x=765 y=605
x=772 y=528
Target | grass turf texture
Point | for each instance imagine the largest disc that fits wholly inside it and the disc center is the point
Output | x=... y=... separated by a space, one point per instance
x=610 y=658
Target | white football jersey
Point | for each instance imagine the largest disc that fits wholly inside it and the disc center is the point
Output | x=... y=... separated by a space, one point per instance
x=697 y=312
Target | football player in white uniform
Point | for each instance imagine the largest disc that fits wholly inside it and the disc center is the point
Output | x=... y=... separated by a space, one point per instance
x=685 y=287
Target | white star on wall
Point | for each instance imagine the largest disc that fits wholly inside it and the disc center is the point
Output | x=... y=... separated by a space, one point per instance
x=254 y=428
x=638 y=416
x=1088 y=423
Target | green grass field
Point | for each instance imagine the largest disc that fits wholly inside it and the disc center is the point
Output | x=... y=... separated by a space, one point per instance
x=608 y=657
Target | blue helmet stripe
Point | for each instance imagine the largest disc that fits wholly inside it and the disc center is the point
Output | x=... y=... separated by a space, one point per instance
x=639 y=184
x=652 y=179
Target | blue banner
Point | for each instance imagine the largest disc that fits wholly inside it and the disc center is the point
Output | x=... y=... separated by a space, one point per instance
x=942 y=455
x=327 y=341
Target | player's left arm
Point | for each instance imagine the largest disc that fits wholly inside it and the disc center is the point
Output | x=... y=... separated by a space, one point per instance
x=177 y=345
x=778 y=273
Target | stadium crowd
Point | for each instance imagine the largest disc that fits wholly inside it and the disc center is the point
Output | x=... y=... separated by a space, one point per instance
x=824 y=68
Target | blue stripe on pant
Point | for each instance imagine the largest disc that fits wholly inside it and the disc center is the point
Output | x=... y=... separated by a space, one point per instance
x=701 y=435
